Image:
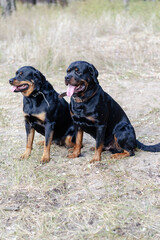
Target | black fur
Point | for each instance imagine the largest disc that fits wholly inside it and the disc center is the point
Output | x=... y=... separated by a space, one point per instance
x=97 y=113
x=43 y=101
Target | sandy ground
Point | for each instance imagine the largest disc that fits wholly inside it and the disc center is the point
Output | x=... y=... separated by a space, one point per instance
x=72 y=199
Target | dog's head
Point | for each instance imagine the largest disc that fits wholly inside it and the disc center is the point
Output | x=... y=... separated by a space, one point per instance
x=81 y=76
x=27 y=80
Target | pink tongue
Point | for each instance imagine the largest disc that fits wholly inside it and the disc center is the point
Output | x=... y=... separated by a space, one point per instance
x=13 y=88
x=70 y=90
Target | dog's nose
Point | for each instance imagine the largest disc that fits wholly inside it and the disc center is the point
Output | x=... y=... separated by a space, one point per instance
x=11 y=81
x=67 y=78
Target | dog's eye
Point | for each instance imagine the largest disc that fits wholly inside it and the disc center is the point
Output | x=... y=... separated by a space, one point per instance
x=77 y=71
x=19 y=73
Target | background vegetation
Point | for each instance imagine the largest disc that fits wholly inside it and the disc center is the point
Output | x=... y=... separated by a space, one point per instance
x=71 y=199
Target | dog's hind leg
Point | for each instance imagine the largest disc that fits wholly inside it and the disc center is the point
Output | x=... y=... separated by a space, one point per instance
x=77 y=146
x=124 y=142
x=121 y=155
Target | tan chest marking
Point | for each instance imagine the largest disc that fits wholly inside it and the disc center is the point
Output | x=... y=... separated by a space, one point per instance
x=92 y=119
x=41 y=116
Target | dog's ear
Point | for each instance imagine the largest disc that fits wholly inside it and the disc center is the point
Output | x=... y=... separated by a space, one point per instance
x=40 y=76
x=94 y=73
x=39 y=79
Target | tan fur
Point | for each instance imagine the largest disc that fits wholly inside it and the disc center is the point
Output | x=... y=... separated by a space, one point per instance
x=46 y=153
x=41 y=143
x=41 y=116
x=29 y=90
x=97 y=154
x=68 y=142
x=78 y=145
x=120 y=155
x=29 y=144
x=92 y=119
x=71 y=113
x=116 y=145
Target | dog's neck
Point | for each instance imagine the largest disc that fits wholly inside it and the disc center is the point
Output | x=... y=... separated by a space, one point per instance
x=37 y=93
x=89 y=95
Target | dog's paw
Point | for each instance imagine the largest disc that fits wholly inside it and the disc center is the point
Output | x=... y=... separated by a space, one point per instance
x=40 y=143
x=45 y=159
x=73 y=155
x=120 y=155
x=68 y=142
x=71 y=150
x=26 y=154
x=95 y=159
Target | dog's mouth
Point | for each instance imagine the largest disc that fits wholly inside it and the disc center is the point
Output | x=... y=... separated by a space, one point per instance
x=75 y=89
x=20 y=88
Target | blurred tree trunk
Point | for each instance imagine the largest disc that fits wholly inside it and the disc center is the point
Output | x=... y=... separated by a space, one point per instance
x=34 y=2
x=8 y=7
x=52 y=1
x=13 y=5
x=63 y=3
x=126 y=4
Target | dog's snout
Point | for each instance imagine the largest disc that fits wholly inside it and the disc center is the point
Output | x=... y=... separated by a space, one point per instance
x=11 y=80
x=67 y=78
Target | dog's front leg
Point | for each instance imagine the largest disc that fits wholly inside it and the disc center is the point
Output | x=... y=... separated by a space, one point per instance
x=78 y=145
x=47 y=143
x=30 y=136
x=100 y=134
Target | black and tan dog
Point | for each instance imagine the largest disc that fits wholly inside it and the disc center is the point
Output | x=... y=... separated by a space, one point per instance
x=43 y=111
x=95 y=112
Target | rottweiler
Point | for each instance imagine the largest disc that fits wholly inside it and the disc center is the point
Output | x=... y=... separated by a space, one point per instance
x=43 y=111
x=95 y=112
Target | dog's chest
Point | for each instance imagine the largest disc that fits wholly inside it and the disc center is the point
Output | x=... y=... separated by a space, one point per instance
x=39 y=118
x=81 y=116
x=34 y=113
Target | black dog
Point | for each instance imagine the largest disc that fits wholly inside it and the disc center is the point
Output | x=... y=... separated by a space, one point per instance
x=95 y=112
x=43 y=111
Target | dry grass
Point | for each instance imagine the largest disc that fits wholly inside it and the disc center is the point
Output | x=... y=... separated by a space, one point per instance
x=71 y=199
x=38 y=36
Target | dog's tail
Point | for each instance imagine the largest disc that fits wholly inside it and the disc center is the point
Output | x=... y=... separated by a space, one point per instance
x=149 y=148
